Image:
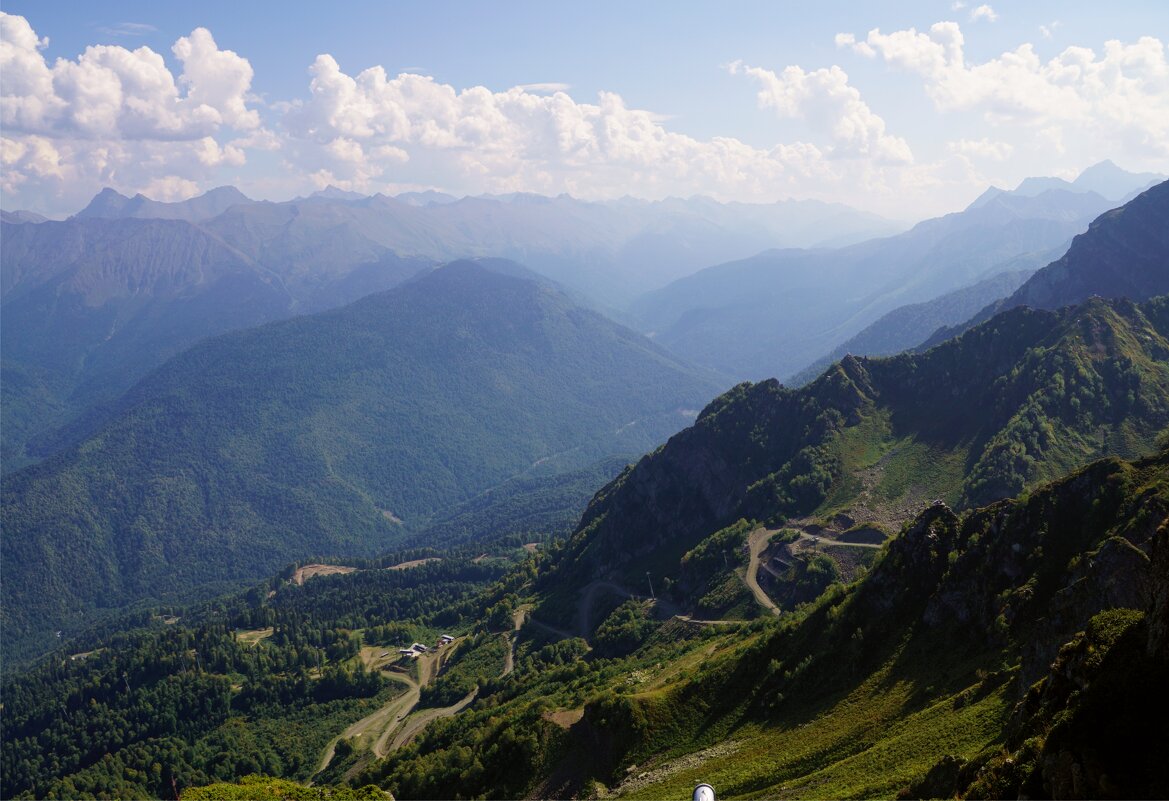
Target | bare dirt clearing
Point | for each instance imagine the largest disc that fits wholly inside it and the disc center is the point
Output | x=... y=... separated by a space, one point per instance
x=307 y=572
x=565 y=718
x=414 y=563
x=254 y=636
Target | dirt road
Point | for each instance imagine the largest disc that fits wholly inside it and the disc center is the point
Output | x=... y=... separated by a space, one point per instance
x=517 y=621
x=380 y=722
x=589 y=594
x=757 y=542
x=420 y=720
x=374 y=731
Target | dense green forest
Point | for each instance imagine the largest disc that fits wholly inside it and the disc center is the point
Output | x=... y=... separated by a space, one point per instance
x=254 y=683
x=935 y=646
x=192 y=706
x=340 y=433
x=529 y=509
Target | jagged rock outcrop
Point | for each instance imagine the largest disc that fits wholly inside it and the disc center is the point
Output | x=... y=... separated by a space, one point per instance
x=1087 y=618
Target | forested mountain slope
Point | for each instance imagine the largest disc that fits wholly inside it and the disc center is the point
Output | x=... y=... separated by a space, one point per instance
x=1020 y=399
x=1011 y=649
x=91 y=305
x=320 y=434
x=1037 y=624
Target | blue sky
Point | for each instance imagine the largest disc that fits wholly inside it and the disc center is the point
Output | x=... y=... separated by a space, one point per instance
x=750 y=100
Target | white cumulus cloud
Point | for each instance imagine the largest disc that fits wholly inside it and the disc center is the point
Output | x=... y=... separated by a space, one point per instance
x=371 y=131
x=1119 y=96
x=120 y=117
x=831 y=106
x=981 y=149
x=984 y=12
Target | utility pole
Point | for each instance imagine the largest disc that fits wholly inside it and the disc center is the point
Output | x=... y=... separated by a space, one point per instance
x=651 y=585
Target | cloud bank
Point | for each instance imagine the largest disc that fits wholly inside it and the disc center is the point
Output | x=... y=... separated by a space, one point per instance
x=119 y=116
x=1119 y=97
x=122 y=117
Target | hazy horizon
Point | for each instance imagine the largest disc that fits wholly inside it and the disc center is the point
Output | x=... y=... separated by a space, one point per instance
x=909 y=111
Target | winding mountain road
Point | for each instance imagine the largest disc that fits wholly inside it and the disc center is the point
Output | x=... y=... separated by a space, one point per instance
x=760 y=538
x=757 y=542
x=418 y=721
x=382 y=721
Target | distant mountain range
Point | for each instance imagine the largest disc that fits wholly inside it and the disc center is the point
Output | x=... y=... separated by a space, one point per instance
x=90 y=305
x=93 y=303
x=1123 y=254
x=1105 y=179
x=332 y=433
x=778 y=312
x=108 y=204
x=774 y=313
x=906 y=327
x=609 y=250
x=21 y=217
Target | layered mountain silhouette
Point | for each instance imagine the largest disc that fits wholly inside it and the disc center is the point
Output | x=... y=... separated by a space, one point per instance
x=112 y=205
x=609 y=250
x=332 y=433
x=1123 y=254
x=775 y=313
x=93 y=303
x=90 y=305
x=906 y=327
x=1105 y=179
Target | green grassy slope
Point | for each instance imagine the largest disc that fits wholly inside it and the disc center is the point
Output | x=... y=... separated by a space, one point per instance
x=926 y=663
x=1019 y=400
x=1002 y=650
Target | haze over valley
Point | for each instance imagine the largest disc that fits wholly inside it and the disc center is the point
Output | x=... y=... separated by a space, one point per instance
x=402 y=402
